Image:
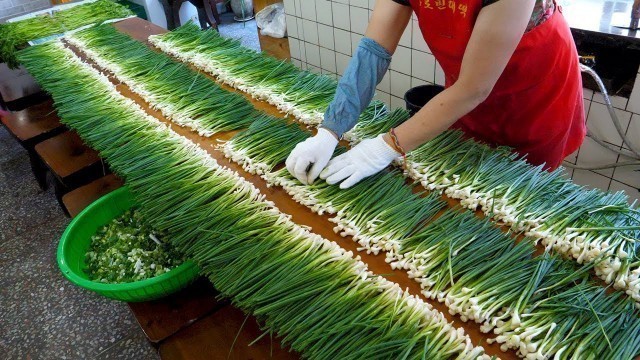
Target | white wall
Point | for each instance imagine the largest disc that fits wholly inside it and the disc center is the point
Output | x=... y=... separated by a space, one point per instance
x=324 y=33
x=11 y=8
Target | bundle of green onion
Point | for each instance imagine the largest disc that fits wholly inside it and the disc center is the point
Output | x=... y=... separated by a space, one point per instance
x=186 y=97
x=127 y=249
x=591 y=226
x=472 y=266
x=303 y=94
x=324 y=303
x=277 y=140
x=376 y=119
x=16 y=35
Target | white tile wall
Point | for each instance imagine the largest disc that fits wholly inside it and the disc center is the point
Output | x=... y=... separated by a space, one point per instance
x=308 y=10
x=310 y=29
x=325 y=36
x=341 y=16
x=13 y=8
x=342 y=40
x=401 y=60
x=323 y=12
x=606 y=129
x=359 y=19
x=634 y=99
x=324 y=33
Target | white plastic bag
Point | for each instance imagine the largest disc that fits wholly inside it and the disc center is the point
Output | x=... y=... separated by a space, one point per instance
x=271 y=21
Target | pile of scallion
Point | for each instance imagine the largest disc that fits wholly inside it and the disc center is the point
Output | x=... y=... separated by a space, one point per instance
x=16 y=35
x=303 y=94
x=322 y=301
x=539 y=306
x=593 y=227
x=127 y=249
x=478 y=271
x=184 y=96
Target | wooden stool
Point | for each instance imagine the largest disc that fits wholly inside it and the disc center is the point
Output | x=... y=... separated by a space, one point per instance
x=160 y=319
x=225 y=334
x=70 y=161
x=77 y=200
x=31 y=126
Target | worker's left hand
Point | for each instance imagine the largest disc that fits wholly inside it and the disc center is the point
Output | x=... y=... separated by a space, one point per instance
x=365 y=159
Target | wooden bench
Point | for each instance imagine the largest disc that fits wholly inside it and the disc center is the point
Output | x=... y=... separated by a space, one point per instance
x=162 y=318
x=77 y=200
x=226 y=334
x=31 y=126
x=71 y=162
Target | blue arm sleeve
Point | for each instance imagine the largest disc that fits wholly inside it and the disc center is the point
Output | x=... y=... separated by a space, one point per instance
x=357 y=86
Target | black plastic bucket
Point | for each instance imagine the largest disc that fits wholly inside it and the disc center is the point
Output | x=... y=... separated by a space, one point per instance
x=417 y=97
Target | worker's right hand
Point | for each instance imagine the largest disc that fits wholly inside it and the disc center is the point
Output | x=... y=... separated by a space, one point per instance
x=315 y=151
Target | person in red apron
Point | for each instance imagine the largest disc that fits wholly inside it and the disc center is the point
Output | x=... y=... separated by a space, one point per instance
x=511 y=78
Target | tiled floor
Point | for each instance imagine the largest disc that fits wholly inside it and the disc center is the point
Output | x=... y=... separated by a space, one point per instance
x=246 y=32
x=42 y=315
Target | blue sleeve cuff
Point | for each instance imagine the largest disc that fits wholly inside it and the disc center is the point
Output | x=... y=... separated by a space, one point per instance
x=357 y=86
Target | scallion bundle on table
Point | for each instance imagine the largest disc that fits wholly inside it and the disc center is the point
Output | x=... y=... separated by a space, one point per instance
x=591 y=226
x=458 y=259
x=303 y=94
x=184 y=96
x=376 y=119
x=265 y=144
x=16 y=35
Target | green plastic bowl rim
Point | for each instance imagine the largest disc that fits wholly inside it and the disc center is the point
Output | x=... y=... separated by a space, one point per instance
x=98 y=286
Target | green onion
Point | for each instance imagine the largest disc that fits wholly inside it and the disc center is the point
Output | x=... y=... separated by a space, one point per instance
x=186 y=97
x=15 y=35
x=590 y=226
x=300 y=93
x=127 y=249
x=322 y=302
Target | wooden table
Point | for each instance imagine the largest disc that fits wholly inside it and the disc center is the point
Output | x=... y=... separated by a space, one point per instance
x=18 y=89
x=224 y=335
x=162 y=318
x=33 y=124
x=196 y=341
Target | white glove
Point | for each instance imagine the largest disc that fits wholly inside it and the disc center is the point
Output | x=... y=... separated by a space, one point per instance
x=315 y=150
x=365 y=159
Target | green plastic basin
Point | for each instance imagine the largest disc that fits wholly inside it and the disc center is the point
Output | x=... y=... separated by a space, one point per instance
x=75 y=243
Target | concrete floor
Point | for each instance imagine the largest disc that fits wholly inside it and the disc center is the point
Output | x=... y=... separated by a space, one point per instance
x=42 y=315
x=246 y=32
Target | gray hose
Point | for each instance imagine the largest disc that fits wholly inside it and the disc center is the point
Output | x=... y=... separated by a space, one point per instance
x=635 y=152
x=612 y=112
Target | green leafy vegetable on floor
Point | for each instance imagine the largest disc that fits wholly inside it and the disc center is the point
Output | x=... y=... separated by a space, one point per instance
x=128 y=249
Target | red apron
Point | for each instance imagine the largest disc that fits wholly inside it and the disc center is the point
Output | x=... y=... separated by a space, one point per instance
x=536 y=107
